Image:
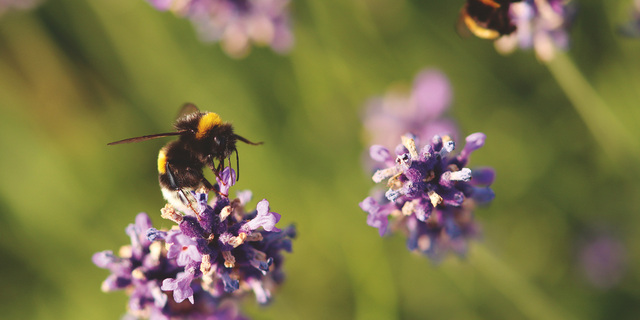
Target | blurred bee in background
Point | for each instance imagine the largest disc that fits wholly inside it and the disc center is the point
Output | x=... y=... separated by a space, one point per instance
x=204 y=139
x=487 y=19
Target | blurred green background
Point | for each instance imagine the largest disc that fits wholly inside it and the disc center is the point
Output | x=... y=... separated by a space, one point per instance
x=75 y=75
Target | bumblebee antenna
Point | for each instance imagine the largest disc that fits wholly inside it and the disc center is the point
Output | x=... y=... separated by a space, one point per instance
x=245 y=140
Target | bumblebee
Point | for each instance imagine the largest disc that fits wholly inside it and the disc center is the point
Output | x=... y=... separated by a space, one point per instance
x=203 y=140
x=487 y=19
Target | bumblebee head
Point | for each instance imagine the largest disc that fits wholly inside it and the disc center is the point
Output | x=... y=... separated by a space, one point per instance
x=211 y=137
x=223 y=141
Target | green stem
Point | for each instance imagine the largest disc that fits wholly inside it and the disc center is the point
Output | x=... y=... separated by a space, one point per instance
x=612 y=135
x=527 y=298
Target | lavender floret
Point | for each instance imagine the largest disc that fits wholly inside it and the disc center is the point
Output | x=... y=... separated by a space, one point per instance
x=227 y=249
x=431 y=194
x=142 y=268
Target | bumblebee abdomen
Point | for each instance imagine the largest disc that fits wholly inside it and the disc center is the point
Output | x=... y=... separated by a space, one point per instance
x=178 y=168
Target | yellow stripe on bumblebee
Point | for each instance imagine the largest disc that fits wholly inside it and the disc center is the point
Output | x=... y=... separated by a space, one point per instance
x=162 y=161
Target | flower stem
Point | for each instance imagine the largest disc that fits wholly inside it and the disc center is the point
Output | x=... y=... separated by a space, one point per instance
x=527 y=298
x=607 y=129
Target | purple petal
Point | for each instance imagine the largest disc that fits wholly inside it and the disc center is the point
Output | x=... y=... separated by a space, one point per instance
x=368 y=204
x=113 y=282
x=104 y=259
x=377 y=214
x=227 y=180
x=182 y=248
x=265 y=219
x=378 y=221
x=138 y=233
x=482 y=195
x=181 y=286
x=262 y=295
x=475 y=141
x=380 y=153
x=483 y=176
x=143 y=222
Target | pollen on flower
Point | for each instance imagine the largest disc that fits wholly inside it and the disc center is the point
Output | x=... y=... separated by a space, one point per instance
x=169 y=213
x=125 y=252
x=138 y=274
x=410 y=144
x=229 y=259
x=226 y=211
x=236 y=241
x=435 y=198
x=205 y=266
x=409 y=207
x=430 y=194
x=382 y=174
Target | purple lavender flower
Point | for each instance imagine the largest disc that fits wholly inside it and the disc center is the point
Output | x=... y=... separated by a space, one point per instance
x=225 y=250
x=236 y=23
x=541 y=24
x=632 y=28
x=140 y=269
x=7 y=5
x=431 y=194
x=420 y=113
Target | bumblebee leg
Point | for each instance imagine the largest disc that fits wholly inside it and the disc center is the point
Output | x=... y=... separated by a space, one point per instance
x=237 y=165
x=173 y=183
x=207 y=185
x=219 y=169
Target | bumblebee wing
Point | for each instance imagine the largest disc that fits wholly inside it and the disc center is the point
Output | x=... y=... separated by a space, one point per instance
x=187 y=108
x=147 y=137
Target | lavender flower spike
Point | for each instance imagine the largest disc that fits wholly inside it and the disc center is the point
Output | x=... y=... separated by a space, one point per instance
x=541 y=24
x=431 y=194
x=143 y=270
x=237 y=24
x=224 y=248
